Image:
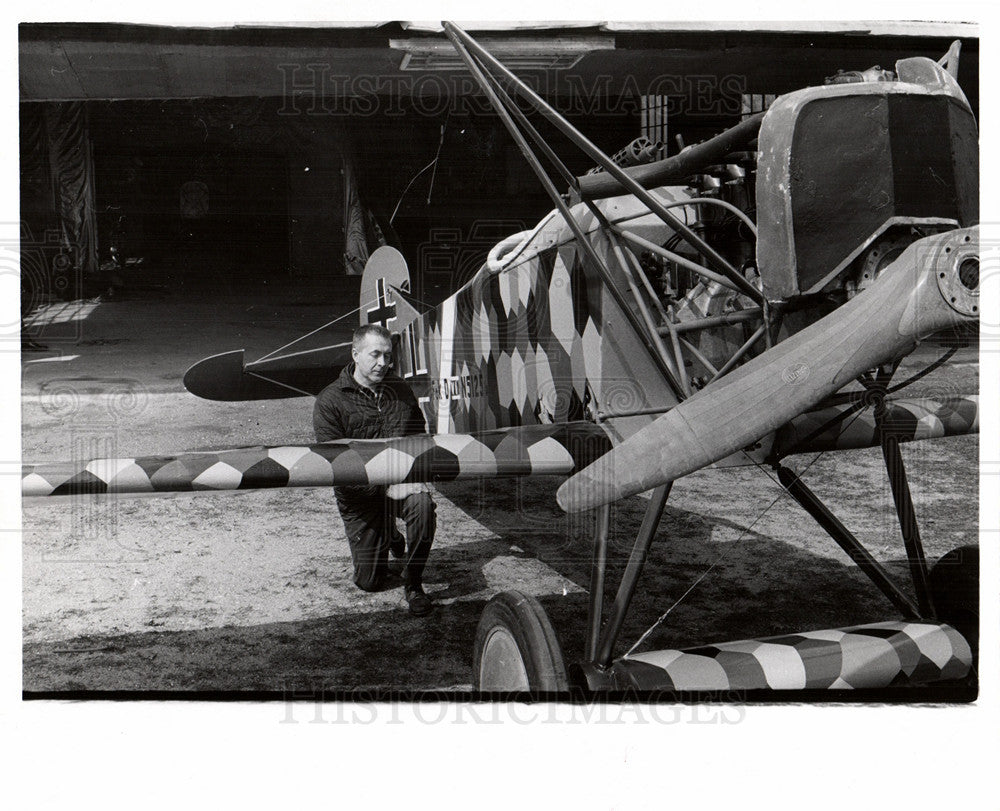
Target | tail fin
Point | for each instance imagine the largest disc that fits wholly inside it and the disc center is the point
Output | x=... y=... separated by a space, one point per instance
x=385 y=277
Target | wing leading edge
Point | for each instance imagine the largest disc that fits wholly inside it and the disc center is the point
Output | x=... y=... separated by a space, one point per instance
x=531 y=450
x=911 y=419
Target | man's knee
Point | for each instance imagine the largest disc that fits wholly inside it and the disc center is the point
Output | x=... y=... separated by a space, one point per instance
x=368 y=580
x=367 y=554
x=420 y=504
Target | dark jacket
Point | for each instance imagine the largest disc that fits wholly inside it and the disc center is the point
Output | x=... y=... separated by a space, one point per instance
x=347 y=410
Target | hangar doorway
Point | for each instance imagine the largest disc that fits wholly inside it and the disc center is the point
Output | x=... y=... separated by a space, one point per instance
x=192 y=188
x=201 y=217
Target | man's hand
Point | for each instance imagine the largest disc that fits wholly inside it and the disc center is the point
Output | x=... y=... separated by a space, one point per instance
x=399 y=492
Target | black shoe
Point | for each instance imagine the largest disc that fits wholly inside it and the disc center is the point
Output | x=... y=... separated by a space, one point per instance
x=420 y=603
x=397 y=545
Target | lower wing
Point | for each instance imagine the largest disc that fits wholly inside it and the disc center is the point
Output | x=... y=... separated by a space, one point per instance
x=527 y=450
x=524 y=450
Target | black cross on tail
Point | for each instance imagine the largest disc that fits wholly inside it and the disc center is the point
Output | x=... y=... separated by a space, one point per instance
x=385 y=312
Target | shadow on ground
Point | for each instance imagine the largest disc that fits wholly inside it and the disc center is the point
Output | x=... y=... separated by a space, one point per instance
x=756 y=585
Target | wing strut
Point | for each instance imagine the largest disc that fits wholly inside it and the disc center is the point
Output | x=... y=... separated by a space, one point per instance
x=597 y=571
x=480 y=60
x=495 y=80
x=630 y=578
x=903 y=500
x=811 y=503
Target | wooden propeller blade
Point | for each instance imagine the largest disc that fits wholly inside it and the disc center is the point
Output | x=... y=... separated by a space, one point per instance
x=932 y=285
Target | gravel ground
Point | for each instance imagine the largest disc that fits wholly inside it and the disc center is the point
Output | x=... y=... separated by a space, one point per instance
x=251 y=590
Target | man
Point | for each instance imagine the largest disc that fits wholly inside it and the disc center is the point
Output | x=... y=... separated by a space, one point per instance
x=367 y=401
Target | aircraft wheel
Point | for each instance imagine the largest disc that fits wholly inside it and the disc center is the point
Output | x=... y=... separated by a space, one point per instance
x=516 y=648
x=954 y=584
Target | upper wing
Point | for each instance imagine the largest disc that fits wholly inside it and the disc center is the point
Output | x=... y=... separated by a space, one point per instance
x=519 y=451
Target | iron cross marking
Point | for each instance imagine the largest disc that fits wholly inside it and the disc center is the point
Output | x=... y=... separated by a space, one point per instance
x=386 y=309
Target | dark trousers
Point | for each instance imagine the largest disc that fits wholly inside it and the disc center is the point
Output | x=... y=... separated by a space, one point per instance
x=368 y=524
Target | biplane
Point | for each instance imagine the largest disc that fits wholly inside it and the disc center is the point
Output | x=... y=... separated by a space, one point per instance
x=745 y=300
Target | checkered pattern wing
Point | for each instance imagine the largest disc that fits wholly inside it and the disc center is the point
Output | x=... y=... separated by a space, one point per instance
x=522 y=451
x=844 y=427
x=861 y=657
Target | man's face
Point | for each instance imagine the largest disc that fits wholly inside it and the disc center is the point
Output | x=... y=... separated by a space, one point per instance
x=373 y=359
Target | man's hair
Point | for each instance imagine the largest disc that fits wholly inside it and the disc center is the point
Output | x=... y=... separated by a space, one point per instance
x=370 y=329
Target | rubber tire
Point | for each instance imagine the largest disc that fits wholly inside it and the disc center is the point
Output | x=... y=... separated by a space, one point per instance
x=954 y=585
x=516 y=648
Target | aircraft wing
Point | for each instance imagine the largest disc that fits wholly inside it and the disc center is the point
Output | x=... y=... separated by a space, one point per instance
x=912 y=419
x=519 y=451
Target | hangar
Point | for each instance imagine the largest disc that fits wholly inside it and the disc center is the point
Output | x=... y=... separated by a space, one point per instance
x=246 y=154
x=190 y=178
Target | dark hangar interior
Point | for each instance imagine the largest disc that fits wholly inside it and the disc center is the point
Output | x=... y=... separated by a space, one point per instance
x=233 y=157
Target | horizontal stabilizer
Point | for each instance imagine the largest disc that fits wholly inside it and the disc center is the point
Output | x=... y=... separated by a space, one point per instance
x=528 y=450
x=228 y=377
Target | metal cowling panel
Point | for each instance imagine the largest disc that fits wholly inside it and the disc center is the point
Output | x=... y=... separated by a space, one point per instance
x=839 y=164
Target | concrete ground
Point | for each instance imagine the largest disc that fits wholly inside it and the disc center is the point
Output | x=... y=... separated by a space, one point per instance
x=251 y=590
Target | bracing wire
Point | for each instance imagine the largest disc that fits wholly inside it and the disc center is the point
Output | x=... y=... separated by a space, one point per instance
x=395 y=211
x=659 y=621
x=339 y=318
x=283 y=385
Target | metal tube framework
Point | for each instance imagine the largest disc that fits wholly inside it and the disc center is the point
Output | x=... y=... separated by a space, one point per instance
x=483 y=66
x=463 y=44
x=458 y=37
x=724 y=320
x=847 y=541
x=659 y=250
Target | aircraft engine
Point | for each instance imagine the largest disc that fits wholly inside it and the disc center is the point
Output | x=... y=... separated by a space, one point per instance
x=842 y=179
